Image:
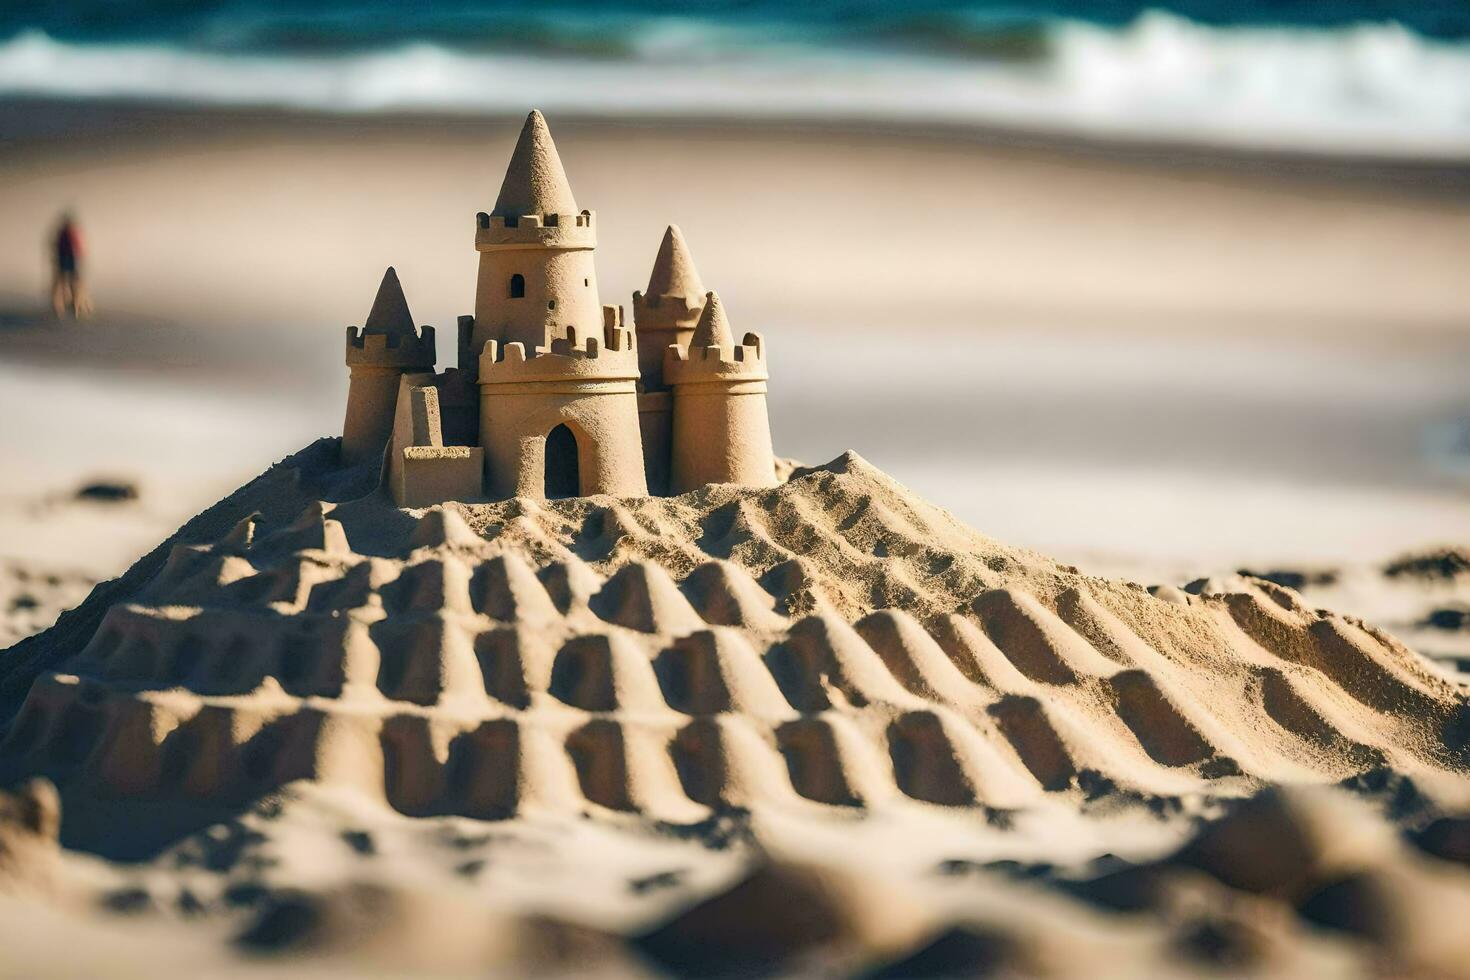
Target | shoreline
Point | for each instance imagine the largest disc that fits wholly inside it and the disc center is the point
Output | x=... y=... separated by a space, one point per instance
x=24 y=118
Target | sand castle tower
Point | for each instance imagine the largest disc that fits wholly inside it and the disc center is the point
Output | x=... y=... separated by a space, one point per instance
x=669 y=311
x=557 y=370
x=721 y=431
x=379 y=354
x=536 y=248
x=666 y=314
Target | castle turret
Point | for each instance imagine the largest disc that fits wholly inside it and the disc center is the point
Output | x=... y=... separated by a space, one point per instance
x=557 y=371
x=721 y=431
x=536 y=275
x=385 y=348
x=666 y=314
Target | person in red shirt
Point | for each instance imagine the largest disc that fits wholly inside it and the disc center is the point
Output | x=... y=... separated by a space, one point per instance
x=68 y=294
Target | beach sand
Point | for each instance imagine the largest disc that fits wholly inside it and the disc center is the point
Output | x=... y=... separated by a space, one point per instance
x=1149 y=364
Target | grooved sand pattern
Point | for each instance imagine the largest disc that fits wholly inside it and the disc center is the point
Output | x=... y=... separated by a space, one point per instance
x=830 y=642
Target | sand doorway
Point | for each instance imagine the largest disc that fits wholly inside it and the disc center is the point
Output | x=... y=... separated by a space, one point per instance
x=563 y=476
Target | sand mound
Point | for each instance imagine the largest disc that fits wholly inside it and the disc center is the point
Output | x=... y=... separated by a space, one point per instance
x=831 y=642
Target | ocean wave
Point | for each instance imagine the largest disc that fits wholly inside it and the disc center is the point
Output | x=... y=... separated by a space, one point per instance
x=1377 y=90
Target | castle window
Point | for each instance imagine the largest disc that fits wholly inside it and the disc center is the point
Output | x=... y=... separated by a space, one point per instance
x=552 y=221
x=586 y=282
x=517 y=286
x=512 y=221
x=483 y=219
x=551 y=304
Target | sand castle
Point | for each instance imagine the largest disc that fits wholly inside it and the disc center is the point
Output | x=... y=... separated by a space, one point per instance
x=554 y=395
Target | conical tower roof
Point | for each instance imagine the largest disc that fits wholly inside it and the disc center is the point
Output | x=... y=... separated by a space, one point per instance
x=535 y=182
x=713 y=329
x=674 y=273
x=390 y=309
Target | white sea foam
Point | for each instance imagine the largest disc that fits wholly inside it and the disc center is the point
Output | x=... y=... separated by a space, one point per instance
x=1373 y=89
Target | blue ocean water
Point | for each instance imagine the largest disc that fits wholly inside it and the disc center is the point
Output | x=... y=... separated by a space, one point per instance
x=955 y=27
x=1379 y=77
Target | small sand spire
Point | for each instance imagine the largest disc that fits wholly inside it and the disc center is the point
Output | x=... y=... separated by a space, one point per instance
x=674 y=273
x=535 y=182
x=385 y=348
x=389 y=314
x=713 y=329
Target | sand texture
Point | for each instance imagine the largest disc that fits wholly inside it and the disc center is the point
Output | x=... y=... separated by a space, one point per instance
x=818 y=728
x=830 y=642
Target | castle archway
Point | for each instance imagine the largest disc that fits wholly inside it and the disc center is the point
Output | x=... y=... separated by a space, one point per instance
x=563 y=473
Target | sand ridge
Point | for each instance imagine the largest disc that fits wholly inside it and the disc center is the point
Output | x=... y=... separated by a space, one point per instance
x=831 y=642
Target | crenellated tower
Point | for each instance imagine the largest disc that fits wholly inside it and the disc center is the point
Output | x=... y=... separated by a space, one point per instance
x=666 y=314
x=721 y=430
x=668 y=311
x=378 y=355
x=557 y=372
x=562 y=420
x=537 y=278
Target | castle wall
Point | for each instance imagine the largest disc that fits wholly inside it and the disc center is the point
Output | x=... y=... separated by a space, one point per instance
x=656 y=430
x=590 y=385
x=420 y=469
x=603 y=416
x=721 y=434
x=372 y=394
x=459 y=398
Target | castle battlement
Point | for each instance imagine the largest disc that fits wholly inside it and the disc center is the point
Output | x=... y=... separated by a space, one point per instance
x=398 y=349
x=712 y=355
x=745 y=361
x=612 y=356
x=653 y=312
x=494 y=232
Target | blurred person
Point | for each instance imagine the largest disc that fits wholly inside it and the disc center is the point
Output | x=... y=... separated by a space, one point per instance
x=68 y=292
